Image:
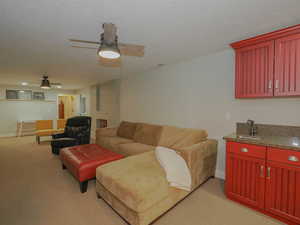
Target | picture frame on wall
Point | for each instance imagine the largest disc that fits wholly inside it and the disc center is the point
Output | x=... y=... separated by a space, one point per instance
x=38 y=95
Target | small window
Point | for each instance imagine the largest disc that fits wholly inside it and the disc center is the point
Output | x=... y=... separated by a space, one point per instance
x=12 y=94
x=18 y=94
x=38 y=96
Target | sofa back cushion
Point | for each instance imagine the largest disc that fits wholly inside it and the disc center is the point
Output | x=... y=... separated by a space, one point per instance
x=176 y=138
x=147 y=134
x=126 y=130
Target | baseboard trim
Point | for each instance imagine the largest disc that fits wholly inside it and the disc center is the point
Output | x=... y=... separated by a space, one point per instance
x=220 y=174
x=8 y=135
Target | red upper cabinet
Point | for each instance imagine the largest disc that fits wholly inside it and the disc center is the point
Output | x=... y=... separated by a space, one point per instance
x=287 y=66
x=268 y=65
x=254 y=70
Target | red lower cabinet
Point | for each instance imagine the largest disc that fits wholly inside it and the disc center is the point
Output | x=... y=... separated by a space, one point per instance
x=283 y=190
x=246 y=180
x=265 y=179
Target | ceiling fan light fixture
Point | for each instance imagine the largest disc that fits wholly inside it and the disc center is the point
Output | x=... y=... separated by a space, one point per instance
x=45 y=83
x=109 y=50
x=109 y=54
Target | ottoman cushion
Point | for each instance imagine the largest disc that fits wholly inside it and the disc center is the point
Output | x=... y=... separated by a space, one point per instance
x=82 y=160
x=130 y=149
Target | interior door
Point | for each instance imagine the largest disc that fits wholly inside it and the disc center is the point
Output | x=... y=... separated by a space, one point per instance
x=287 y=66
x=245 y=179
x=283 y=190
x=254 y=70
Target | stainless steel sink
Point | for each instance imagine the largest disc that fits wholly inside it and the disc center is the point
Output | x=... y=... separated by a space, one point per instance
x=249 y=137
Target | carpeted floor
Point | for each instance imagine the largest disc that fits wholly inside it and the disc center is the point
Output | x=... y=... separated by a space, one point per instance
x=34 y=190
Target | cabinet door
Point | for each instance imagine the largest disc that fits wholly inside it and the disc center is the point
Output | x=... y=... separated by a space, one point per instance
x=287 y=66
x=283 y=190
x=245 y=179
x=254 y=71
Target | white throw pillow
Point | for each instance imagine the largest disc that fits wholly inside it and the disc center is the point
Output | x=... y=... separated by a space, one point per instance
x=177 y=171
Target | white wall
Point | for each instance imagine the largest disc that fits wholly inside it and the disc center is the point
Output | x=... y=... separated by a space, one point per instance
x=85 y=92
x=12 y=111
x=200 y=94
x=109 y=103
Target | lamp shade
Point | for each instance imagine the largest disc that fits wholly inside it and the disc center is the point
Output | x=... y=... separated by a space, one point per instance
x=45 y=83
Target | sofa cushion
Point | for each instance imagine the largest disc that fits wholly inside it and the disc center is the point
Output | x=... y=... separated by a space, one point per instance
x=176 y=138
x=147 y=134
x=137 y=181
x=133 y=217
x=134 y=148
x=126 y=130
x=109 y=132
x=111 y=143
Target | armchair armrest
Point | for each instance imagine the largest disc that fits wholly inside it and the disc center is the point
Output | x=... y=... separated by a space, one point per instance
x=201 y=159
x=60 y=135
x=108 y=132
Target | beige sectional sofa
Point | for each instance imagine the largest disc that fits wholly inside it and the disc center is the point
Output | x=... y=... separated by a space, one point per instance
x=136 y=186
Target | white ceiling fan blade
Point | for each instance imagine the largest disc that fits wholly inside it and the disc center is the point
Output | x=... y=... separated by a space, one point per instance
x=75 y=46
x=84 y=41
x=132 y=50
x=55 y=83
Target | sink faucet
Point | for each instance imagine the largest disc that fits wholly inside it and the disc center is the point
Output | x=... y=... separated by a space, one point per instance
x=252 y=127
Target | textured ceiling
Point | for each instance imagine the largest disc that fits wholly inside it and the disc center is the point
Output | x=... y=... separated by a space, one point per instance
x=34 y=33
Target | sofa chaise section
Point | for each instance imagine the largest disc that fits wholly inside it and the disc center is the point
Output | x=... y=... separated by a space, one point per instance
x=137 y=189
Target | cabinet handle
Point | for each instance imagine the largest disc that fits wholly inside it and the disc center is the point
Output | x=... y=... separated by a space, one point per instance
x=270 y=84
x=269 y=172
x=293 y=158
x=262 y=171
x=277 y=84
x=244 y=150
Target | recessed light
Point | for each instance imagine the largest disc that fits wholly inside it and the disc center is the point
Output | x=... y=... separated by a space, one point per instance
x=24 y=83
x=58 y=86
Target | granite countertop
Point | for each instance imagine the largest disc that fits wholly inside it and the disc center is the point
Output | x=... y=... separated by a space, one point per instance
x=291 y=143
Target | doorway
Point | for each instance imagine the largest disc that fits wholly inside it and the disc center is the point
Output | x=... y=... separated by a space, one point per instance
x=66 y=106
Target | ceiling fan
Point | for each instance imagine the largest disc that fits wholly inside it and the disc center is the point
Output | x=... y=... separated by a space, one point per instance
x=46 y=84
x=109 y=49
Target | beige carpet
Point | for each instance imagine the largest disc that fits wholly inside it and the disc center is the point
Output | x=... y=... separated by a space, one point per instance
x=34 y=190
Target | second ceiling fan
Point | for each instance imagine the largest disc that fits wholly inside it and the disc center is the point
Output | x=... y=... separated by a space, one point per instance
x=109 y=49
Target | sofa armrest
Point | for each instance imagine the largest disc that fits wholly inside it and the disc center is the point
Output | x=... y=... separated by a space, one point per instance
x=108 y=132
x=201 y=159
